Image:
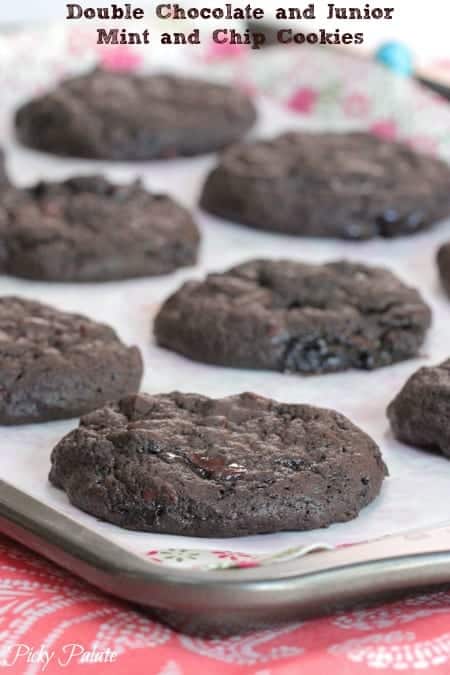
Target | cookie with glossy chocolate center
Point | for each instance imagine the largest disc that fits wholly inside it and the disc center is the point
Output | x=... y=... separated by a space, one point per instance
x=190 y=465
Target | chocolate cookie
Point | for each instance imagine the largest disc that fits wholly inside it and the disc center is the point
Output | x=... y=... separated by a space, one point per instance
x=87 y=229
x=55 y=365
x=350 y=185
x=296 y=317
x=121 y=116
x=190 y=465
x=443 y=260
x=420 y=413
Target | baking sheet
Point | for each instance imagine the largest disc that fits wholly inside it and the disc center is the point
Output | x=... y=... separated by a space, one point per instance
x=416 y=492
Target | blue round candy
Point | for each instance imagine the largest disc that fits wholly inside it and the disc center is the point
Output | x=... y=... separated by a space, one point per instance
x=397 y=57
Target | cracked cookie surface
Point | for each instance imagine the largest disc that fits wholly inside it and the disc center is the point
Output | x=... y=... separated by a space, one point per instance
x=190 y=465
x=351 y=186
x=121 y=116
x=420 y=413
x=295 y=317
x=56 y=365
x=88 y=229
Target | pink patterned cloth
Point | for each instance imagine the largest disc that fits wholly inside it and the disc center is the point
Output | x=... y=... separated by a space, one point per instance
x=50 y=622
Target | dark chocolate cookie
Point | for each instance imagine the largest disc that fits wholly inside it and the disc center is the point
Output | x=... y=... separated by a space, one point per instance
x=121 y=116
x=443 y=260
x=353 y=186
x=87 y=229
x=56 y=365
x=291 y=316
x=420 y=413
x=190 y=465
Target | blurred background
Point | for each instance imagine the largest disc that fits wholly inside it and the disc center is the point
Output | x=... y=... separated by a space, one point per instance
x=323 y=85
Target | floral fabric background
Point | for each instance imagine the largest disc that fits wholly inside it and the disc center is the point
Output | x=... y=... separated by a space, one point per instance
x=44 y=608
